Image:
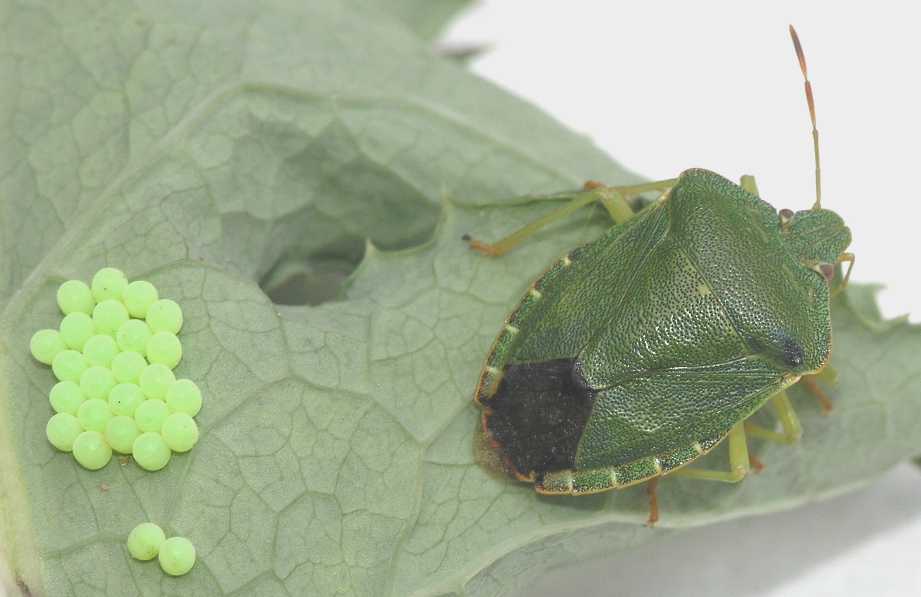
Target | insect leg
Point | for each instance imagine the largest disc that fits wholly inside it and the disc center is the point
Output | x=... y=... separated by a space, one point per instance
x=614 y=200
x=783 y=410
x=748 y=183
x=503 y=246
x=849 y=258
x=813 y=386
x=739 y=463
x=653 y=501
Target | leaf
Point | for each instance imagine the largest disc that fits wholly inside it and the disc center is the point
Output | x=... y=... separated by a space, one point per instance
x=337 y=440
x=96 y=101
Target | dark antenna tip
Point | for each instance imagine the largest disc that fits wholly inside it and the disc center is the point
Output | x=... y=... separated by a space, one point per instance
x=810 y=100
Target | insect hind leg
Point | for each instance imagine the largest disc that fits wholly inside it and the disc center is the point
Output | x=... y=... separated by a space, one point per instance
x=614 y=199
x=506 y=244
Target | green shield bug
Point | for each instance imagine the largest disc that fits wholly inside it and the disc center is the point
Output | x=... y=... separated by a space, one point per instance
x=637 y=353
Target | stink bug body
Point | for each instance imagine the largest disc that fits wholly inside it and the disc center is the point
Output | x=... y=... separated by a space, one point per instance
x=634 y=355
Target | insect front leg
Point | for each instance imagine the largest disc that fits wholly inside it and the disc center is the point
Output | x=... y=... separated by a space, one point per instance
x=810 y=383
x=849 y=259
x=739 y=462
x=614 y=200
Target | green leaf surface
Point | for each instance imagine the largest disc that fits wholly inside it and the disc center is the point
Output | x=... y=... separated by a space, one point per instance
x=210 y=147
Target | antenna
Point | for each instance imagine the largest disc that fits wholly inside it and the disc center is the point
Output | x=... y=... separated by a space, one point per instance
x=815 y=132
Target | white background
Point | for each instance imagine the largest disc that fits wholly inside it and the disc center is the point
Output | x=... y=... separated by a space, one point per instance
x=663 y=86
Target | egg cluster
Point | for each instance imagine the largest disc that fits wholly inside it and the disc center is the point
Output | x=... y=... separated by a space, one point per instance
x=114 y=355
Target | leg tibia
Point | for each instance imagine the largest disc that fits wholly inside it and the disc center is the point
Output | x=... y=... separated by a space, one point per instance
x=511 y=241
x=783 y=410
x=614 y=200
x=653 y=501
x=810 y=383
x=739 y=463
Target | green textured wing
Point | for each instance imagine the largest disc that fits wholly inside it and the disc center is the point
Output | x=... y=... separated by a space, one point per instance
x=673 y=408
x=588 y=293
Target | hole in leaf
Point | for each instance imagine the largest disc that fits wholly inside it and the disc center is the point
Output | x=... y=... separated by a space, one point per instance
x=312 y=279
x=307 y=200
